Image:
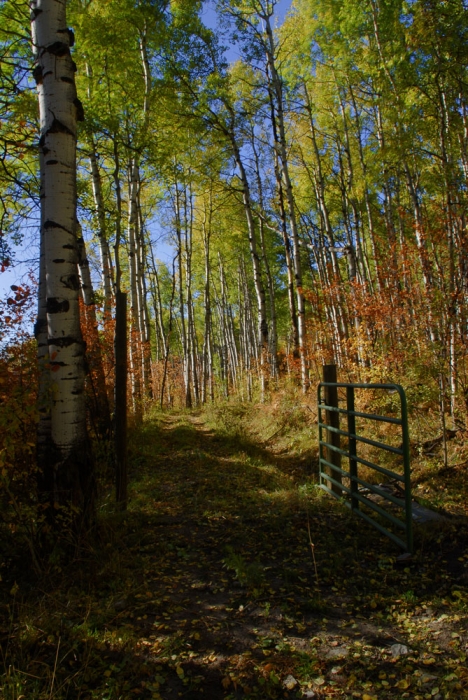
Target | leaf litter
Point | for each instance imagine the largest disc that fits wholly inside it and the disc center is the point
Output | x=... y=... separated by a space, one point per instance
x=206 y=588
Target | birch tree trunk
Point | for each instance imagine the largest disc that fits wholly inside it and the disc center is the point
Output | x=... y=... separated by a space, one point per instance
x=106 y=262
x=273 y=336
x=135 y=336
x=96 y=379
x=40 y=332
x=207 y=388
x=256 y=267
x=281 y=146
x=69 y=457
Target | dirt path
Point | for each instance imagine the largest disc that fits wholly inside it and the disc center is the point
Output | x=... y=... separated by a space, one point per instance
x=208 y=589
x=232 y=606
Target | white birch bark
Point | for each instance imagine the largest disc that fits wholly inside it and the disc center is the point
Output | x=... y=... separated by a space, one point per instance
x=106 y=264
x=59 y=110
x=281 y=146
x=135 y=344
x=257 y=275
x=207 y=367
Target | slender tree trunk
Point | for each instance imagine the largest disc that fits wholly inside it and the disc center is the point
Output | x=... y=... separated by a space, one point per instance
x=70 y=463
x=120 y=432
x=106 y=263
x=96 y=375
x=277 y=92
x=207 y=368
x=284 y=229
x=255 y=258
x=273 y=336
x=145 y=320
x=118 y=218
x=179 y=213
x=44 y=430
x=135 y=336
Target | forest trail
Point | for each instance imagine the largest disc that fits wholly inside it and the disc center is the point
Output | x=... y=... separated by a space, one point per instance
x=230 y=604
x=206 y=588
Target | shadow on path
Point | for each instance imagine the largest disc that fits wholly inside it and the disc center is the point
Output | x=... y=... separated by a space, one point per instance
x=232 y=576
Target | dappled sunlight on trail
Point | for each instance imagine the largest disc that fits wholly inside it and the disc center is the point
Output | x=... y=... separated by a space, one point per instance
x=206 y=588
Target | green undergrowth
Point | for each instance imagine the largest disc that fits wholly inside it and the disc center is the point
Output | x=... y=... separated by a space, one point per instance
x=231 y=575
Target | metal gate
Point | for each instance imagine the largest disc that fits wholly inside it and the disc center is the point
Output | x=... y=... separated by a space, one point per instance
x=349 y=484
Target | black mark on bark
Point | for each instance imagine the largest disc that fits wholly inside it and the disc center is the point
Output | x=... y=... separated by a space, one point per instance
x=58 y=48
x=71 y=282
x=58 y=128
x=53 y=224
x=61 y=342
x=54 y=306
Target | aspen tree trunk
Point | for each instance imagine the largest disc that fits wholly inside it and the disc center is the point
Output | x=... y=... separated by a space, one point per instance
x=100 y=213
x=363 y=271
x=392 y=277
x=96 y=375
x=277 y=91
x=463 y=136
x=207 y=359
x=106 y=262
x=194 y=355
x=135 y=336
x=284 y=226
x=230 y=341
x=422 y=247
x=255 y=258
x=69 y=458
x=120 y=428
x=158 y=307
x=335 y=300
x=118 y=220
x=190 y=359
x=452 y=236
x=250 y=346
x=273 y=337
x=370 y=218
x=319 y=182
x=242 y=334
x=182 y=312
x=145 y=320
x=287 y=243
x=168 y=341
x=223 y=315
x=44 y=431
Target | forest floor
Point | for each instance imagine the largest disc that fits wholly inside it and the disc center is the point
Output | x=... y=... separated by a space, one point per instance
x=208 y=587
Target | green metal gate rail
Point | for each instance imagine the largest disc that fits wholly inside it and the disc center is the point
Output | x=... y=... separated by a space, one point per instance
x=355 y=492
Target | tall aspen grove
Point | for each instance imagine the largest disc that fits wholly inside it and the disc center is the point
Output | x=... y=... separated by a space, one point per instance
x=233 y=302
x=296 y=200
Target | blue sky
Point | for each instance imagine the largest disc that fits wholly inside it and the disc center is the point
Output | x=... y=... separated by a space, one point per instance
x=27 y=255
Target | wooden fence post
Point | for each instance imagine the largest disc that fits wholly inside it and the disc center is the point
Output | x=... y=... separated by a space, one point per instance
x=120 y=424
x=332 y=418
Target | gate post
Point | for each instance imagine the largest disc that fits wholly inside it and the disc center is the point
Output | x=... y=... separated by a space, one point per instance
x=332 y=418
x=352 y=446
x=120 y=426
